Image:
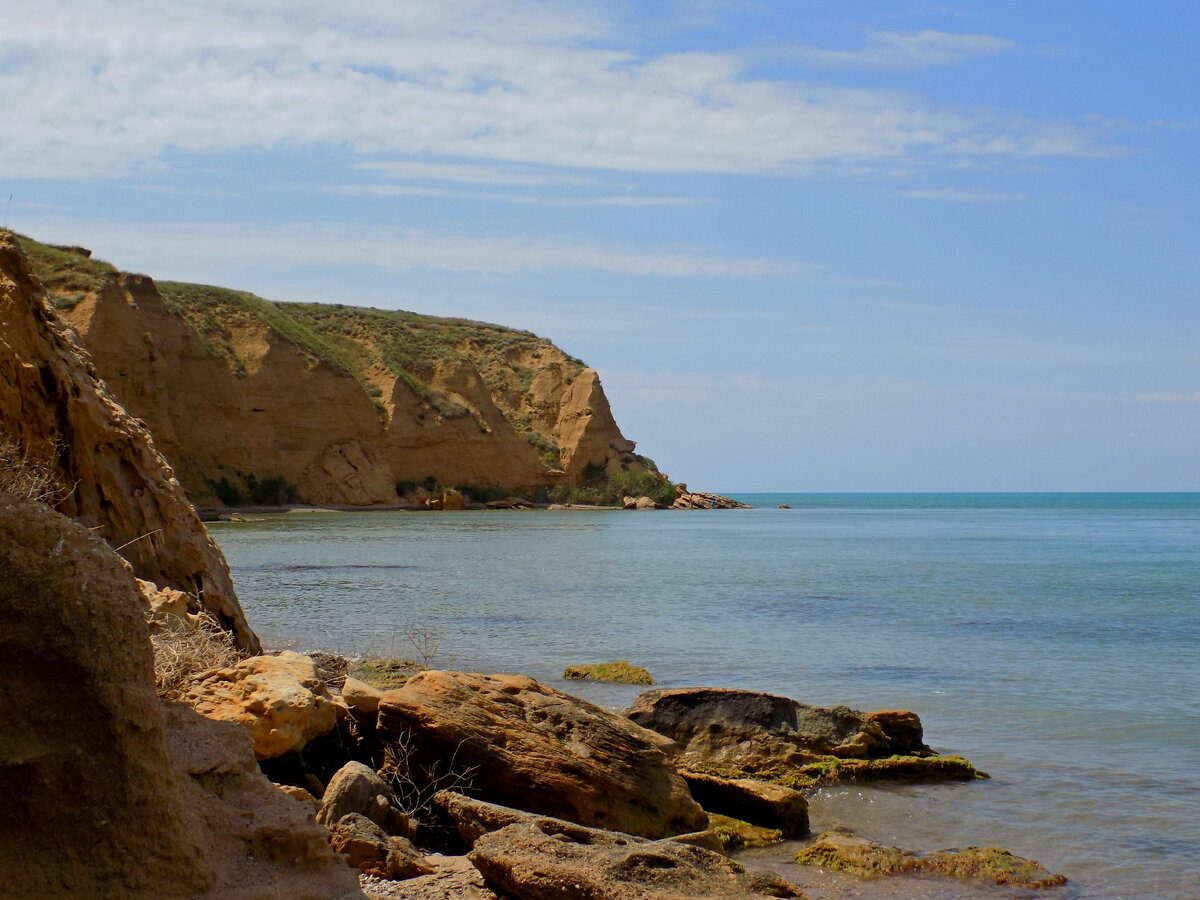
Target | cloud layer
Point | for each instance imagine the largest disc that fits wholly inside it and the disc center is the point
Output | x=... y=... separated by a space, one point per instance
x=100 y=88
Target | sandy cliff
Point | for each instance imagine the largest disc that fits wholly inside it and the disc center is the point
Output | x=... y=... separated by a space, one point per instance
x=54 y=407
x=342 y=402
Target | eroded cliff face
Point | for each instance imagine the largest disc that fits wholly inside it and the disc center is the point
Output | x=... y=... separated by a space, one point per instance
x=344 y=403
x=55 y=408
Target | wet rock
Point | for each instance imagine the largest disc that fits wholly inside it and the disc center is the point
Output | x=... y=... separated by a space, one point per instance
x=530 y=865
x=619 y=672
x=733 y=733
x=859 y=856
x=356 y=788
x=527 y=745
x=370 y=851
x=736 y=834
x=767 y=805
x=279 y=699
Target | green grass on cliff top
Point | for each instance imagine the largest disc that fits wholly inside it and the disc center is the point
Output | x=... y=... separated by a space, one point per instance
x=348 y=338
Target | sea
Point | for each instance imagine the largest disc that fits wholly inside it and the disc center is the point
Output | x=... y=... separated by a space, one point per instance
x=1053 y=639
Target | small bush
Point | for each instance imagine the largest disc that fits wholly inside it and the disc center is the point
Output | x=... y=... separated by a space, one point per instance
x=274 y=490
x=21 y=475
x=183 y=653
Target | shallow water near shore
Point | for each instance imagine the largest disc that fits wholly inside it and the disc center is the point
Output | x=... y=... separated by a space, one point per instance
x=1052 y=639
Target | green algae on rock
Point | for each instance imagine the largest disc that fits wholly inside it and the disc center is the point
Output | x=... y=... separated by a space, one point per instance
x=619 y=672
x=858 y=856
x=736 y=834
x=384 y=673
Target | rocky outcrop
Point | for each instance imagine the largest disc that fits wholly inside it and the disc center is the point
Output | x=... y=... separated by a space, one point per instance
x=280 y=700
x=529 y=746
x=54 y=406
x=758 y=802
x=736 y=733
x=843 y=852
x=344 y=403
x=686 y=499
x=109 y=793
x=528 y=864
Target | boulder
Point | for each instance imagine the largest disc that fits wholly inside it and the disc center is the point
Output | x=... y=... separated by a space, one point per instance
x=372 y=852
x=619 y=672
x=529 y=865
x=452 y=877
x=280 y=699
x=858 y=856
x=758 y=802
x=735 y=733
x=473 y=818
x=356 y=788
x=361 y=698
x=108 y=792
x=531 y=746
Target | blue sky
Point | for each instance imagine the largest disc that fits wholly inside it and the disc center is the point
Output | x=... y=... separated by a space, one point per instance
x=812 y=246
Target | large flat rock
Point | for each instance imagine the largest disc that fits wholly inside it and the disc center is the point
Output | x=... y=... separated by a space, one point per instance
x=522 y=744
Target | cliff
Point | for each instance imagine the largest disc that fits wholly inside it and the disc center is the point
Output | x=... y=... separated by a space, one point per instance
x=344 y=403
x=55 y=409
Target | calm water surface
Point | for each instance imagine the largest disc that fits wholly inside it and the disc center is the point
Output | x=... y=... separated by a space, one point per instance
x=1053 y=639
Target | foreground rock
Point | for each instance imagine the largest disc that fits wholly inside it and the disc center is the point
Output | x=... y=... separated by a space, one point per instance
x=452 y=877
x=530 y=865
x=371 y=851
x=281 y=700
x=858 y=856
x=115 y=481
x=107 y=792
x=733 y=733
x=358 y=789
x=526 y=745
x=619 y=672
x=758 y=802
x=474 y=818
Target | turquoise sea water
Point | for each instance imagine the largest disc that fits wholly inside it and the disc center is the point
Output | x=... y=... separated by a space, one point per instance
x=1053 y=639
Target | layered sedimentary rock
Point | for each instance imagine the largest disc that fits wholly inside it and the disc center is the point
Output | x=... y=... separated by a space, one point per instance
x=107 y=792
x=55 y=408
x=527 y=745
x=342 y=402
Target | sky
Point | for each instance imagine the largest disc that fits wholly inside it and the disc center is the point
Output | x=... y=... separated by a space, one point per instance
x=809 y=246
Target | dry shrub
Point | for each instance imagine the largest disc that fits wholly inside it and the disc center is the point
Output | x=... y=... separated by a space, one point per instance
x=21 y=475
x=185 y=650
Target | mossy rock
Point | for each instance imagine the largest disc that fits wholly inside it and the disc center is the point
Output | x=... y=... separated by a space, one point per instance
x=736 y=834
x=385 y=673
x=833 y=769
x=842 y=852
x=619 y=672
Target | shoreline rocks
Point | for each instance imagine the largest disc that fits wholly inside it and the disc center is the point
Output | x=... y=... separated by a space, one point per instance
x=744 y=734
x=618 y=672
x=858 y=856
x=528 y=745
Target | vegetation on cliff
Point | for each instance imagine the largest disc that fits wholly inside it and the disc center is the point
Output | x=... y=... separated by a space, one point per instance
x=328 y=403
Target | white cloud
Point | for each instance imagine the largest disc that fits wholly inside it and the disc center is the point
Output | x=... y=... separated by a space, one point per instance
x=908 y=50
x=166 y=248
x=466 y=173
x=964 y=195
x=402 y=190
x=97 y=88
